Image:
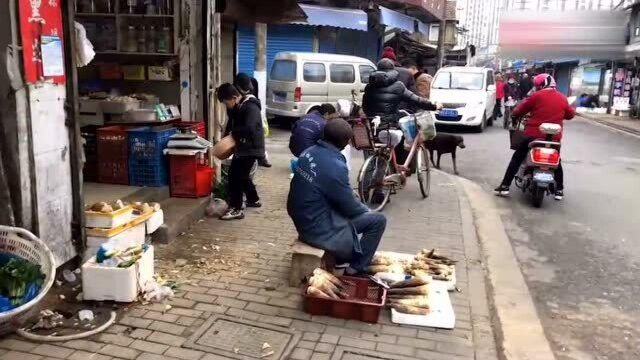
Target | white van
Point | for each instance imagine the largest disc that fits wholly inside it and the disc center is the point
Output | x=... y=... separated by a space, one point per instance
x=467 y=95
x=299 y=82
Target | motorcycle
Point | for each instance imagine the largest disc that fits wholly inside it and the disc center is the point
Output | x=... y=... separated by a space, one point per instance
x=536 y=174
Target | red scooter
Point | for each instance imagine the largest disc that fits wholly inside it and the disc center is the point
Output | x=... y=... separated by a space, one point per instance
x=536 y=174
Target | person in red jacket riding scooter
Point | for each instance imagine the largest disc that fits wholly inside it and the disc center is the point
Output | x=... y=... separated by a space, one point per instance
x=545 y=105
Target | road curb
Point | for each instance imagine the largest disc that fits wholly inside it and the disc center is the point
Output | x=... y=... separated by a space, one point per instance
x=517 y=327
x=611 y=125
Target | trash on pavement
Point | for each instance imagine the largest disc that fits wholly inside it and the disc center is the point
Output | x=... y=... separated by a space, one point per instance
x=85 y=315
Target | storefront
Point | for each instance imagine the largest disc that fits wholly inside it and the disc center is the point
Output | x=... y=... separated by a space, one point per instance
x=326 y=30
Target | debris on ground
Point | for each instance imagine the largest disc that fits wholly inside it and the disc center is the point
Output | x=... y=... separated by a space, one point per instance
x=48 y=320
x=181 y=262
x=86 y=315
x=157 y=291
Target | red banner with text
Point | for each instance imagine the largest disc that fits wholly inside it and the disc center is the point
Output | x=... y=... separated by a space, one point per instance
x=41 y=31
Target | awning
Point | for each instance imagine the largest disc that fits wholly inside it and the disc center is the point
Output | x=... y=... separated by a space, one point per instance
x=329 y=16
x=260 y=11
x=394 y=19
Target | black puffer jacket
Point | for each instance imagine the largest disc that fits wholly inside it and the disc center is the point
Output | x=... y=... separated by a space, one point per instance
x=384 y=93
x=246 y=128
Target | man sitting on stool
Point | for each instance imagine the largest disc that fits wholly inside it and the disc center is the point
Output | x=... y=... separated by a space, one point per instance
x=323 y=207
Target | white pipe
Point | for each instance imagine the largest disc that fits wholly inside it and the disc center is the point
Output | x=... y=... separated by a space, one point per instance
x=49 y=338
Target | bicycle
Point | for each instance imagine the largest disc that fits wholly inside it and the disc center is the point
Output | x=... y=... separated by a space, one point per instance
x=381 y=175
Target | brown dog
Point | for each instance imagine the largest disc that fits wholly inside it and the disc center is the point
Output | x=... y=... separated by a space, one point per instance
x=445 y=144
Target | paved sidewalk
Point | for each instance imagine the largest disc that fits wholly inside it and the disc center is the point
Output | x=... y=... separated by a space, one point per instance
x=618 y=122
x=239 y=270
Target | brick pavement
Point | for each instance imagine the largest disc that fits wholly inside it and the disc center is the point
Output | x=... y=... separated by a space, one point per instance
x=240 y=269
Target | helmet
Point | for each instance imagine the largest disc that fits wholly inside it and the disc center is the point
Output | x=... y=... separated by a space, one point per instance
x=543 y=81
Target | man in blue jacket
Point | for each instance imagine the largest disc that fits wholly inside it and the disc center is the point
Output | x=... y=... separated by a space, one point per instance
x=323 y=207
x=307 y=131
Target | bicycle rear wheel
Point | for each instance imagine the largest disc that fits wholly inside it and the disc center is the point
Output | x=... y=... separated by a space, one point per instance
x=423 y=171
x=371 y=188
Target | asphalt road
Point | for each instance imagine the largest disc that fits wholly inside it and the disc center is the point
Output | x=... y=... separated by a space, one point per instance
x=581 y=256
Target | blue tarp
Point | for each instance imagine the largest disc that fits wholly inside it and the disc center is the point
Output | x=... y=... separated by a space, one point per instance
x=394 y=19
x=328 y=16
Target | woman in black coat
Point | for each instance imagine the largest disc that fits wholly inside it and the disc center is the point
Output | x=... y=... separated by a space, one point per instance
x=384 y=93
x=246 y=129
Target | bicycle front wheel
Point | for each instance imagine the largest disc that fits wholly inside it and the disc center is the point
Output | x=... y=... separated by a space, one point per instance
x=371 y=188
x=423 y=171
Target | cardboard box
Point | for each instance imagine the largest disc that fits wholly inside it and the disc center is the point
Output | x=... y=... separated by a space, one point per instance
x=133 y=72
x=160 y=73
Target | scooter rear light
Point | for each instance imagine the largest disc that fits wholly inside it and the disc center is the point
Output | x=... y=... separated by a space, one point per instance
x=545 y=156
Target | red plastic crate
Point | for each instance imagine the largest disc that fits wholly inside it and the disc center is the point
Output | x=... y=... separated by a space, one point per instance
x=365 y=301
x=113 y=155
x=190 y=176
x=197 y=126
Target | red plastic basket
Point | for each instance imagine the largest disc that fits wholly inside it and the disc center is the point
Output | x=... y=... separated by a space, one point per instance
x=113 y=155
x=365 y=301
x=197 y=126
x=190 y=176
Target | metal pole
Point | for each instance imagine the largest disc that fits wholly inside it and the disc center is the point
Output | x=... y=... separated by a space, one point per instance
x=613 y=80
x=260 y=71
x=441 y=39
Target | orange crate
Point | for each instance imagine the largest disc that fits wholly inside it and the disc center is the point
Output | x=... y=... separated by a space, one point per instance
x=365 y=301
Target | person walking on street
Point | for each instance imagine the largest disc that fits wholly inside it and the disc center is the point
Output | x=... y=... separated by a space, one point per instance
x=248 y=133
x=497 y=109
x=249 y=85
x=525 y=85
x=423 y=85
x=323 y=207
x=307 y=131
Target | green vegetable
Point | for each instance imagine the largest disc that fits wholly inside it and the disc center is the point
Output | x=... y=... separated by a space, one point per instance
x=15 y=276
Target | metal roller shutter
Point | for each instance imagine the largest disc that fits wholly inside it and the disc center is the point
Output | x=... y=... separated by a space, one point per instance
x=246 y=49
x=298 y=38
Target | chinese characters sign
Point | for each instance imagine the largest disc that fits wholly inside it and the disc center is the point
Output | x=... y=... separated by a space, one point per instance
x=41 y=31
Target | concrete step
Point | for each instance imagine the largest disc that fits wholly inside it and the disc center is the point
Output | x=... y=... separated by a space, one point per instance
x=178 y=215
x=149 y=194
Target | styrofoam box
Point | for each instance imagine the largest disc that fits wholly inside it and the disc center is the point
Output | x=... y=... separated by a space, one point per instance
x=110 y=220
x=155 y=221
x=117 y=284
x=441 y=316
x=131 y=237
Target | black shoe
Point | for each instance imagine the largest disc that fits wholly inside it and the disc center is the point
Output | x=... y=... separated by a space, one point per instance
x=559 y=195
x=264 y=163
x=377 y=198
x=502 y=190
x=256 y=204
x=233 y=214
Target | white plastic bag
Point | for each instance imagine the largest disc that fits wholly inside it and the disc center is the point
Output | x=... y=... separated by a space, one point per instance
x=426 y=124
x=216 y=208
x=408 y=127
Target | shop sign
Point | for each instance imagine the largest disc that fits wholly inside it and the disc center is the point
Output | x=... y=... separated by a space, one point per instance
x=41 y=32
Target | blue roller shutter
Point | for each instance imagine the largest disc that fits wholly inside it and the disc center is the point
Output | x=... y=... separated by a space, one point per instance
x=246 y=49
x=298 y=38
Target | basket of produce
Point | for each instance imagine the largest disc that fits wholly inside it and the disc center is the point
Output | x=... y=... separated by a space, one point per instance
x=344 y=297
x=27 y=271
